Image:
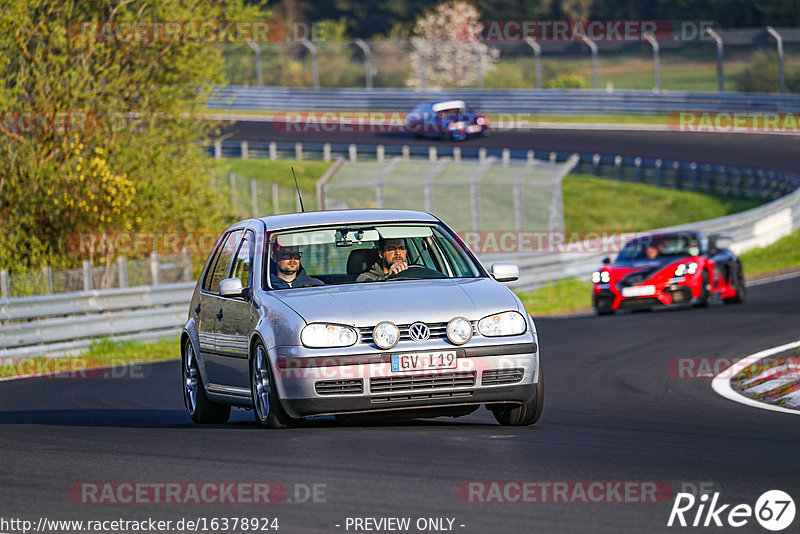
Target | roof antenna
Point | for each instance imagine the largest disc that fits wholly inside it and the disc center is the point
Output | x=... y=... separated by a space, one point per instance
x=302 y=209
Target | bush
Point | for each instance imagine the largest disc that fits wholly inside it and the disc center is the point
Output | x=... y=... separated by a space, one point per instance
x=567 y=81
x=762 y=75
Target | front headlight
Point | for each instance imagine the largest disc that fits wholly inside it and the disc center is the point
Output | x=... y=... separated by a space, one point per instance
x=320 y=335
x=686 y=268
x=601 y=276
x=459 y=330
x=508 y=323
x=385 y=335
x=456 y=125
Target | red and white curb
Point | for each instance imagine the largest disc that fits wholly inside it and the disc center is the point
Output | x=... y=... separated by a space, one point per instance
x=722 y=382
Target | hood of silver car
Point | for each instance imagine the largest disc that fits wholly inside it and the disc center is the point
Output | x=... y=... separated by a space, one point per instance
x=401 y=302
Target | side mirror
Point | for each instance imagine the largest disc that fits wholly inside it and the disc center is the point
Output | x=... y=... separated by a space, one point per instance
x=505 y=272
x=606 y=260
x=231 y=287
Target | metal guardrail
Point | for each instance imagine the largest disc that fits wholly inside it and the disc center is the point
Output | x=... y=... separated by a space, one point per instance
x=529 y=101
x=750 y=229
x=692 y=176
x=68 y=322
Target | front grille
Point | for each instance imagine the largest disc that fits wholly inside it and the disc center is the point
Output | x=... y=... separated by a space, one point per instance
x=496 y=377
x=413 y=383
x=635 y=278
x=422 y=396
x=339 y=387
x=638 y=303
x=438 y=331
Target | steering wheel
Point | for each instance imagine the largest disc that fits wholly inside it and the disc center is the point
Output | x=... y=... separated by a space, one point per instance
x=416 y=271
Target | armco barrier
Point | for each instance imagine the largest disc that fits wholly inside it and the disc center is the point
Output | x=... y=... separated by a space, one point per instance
x=68 y=322
x=532 y=101
x=750 y=229
x=692 y=176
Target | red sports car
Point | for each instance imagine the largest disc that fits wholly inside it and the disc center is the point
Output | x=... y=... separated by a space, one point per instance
x=669 y=269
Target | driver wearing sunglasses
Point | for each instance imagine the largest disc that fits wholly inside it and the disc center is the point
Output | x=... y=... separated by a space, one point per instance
x=288 y=271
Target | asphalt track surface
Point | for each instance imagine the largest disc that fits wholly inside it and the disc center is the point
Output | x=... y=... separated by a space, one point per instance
x=774 y=152
x=612 y=413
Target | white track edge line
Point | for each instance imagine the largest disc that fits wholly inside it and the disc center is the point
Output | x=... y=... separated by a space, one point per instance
x=722 y=383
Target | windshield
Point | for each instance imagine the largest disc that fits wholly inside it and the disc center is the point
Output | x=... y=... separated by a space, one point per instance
x=658 y=246
x=365 y=253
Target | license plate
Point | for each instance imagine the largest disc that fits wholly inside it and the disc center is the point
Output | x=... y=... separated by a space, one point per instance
x=423 y=361
x=638 y=291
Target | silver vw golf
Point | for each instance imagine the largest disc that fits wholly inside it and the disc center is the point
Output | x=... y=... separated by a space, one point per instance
x=352 y=312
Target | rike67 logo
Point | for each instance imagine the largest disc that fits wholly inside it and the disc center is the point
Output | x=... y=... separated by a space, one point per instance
x=774 y=510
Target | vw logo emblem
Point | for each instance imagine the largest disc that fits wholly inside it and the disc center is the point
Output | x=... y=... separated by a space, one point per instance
x=419 y=332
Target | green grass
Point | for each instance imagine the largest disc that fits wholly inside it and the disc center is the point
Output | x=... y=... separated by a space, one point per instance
x=783 y=254
x=278 y=171
x=599 y=205
x=103 y=353
x=559 y=297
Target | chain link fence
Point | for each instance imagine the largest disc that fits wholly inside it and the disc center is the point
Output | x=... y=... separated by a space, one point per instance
x=469 y=196
x=254 y=197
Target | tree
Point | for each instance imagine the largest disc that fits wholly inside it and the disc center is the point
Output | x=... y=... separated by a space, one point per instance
x=450 y=57
x=129 y=157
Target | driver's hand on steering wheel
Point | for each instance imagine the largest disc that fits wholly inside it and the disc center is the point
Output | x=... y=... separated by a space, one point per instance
x=397 y=267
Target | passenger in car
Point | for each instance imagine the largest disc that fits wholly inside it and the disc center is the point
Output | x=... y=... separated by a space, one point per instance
x=391 y=260
x=288 y=271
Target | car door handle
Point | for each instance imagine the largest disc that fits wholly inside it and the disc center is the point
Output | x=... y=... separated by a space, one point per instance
x=219 y=315
x=197 y=309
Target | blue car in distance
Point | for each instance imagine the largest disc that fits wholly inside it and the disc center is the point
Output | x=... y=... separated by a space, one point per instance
x=447 y=119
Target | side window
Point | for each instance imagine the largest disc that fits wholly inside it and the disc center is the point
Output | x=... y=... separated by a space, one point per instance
x=212 y=261
x=224 y=260
x=244 y=259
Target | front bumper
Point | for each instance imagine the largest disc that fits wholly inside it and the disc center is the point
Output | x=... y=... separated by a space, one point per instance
x=666 y=294
x=365 y=383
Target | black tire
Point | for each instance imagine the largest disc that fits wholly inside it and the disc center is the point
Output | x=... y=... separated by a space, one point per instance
x=702 y=300
x=741 y=291
x=267 y=409
x=200 y=408
x=523 y=414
